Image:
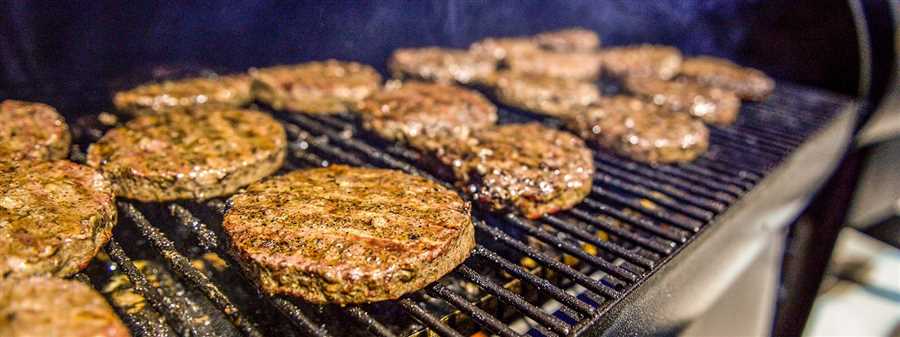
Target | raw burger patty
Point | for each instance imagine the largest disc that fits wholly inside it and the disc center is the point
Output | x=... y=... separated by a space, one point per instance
x=415 y=110
x=567 y=40
x=322 y=87
x=54 y=217
x=178 y=155
x=348 y=235
x=640 y=130
x=216 y=91
x=31 y=131
x=442 y=65
x=524 y=167
x=657 y=61
x=571 y=65
x=544 y=95
x=747 y=83
x=42 y=307
x=712 y=105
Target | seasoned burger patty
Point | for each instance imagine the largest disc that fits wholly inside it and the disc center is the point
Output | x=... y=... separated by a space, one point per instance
x=324 y=87
x=712 y=105
x=527 y=167
x=747 y=83
x=501 y=48
x=178 y=155
x=567 y=40
x=417 y=109
x=54 y=217
x=646 y=60
x=217 y=91
x=572 y=65
x=640 y=130
x=44 y=307
x=442 y=65
x=545 y=95
x=348 y=235
x=31 y=131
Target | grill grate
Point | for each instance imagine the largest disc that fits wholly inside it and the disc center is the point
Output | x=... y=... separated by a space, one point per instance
x=636 y=218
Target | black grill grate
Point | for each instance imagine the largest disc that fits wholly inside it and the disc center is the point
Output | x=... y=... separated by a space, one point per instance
x=636 y=218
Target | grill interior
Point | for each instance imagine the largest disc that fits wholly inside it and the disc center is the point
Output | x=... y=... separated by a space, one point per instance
x=575 y=264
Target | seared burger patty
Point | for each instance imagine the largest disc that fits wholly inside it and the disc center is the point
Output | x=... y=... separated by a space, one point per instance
x=442 y=65
x=54 y=217
x=525 y=167
x=501 y=48
x=747 y=83
x=640 y=130
x=178 y=155
x=568 y=40
x=416 y=109
x=712 y=105
x=646 y=60
x=323 y=87
x=571 y=65
x=550 y=96
x=42 y=307
x=348 y=235
x=31 y=131
x=217 y=91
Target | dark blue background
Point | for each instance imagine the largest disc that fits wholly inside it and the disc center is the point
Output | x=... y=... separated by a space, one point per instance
x=83 y=46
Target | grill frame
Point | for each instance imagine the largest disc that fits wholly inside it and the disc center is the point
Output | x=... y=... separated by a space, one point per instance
x=622 y=306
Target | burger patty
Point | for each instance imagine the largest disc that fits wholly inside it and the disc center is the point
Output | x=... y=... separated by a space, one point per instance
x=322 y=87
x=747 y=83
x=568 y=40
x=42 y=307
x=501 y=48
x=646 y=60
x=640 y=130
x=217 y=91
x=550 y=96
x=525 y=167
x=571 y=65
x=54 y=217
x=348 y=235
x=31 y=131
x=416 y=109
x=177 y=155
x=442 y=65
x=712 y=105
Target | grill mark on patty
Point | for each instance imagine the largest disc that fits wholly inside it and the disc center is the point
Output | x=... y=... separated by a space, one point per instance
x=644 y=60
x=712 y=105
x=747 y=83
x=442 y=65
x=214 y=91
x=555 y=97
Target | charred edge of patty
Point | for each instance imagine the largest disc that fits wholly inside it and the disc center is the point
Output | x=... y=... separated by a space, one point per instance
x=168 y=186
x=53 y=150
x=136 y=101
x=527 y=205
x=268 y=93
x=314 y=287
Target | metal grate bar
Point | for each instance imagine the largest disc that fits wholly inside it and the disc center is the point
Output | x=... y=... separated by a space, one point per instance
x=546 y=237
x=756 y=141
x=477 y=314
x=182 y=266
x=703 y=201
x=298 y=318
x=656 y=213
x=608 y=162
x=208 y=240
x=701 y=172
x=741 y=176
x=515 y=300
x=375 y=327
x=539 y=283
x=641 y=223
x=732 y=157
x=618 y=250
x=429 y=320
x=621 y=232
x=550 y=262
x=655 y=196
x=161 y=304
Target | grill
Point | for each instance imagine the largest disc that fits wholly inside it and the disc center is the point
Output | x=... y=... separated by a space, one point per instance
x=566 y=274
